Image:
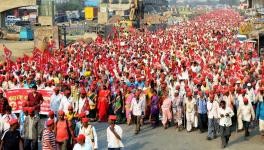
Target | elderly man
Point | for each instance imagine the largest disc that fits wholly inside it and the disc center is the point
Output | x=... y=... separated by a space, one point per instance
x=90 y=133
x=31 y=130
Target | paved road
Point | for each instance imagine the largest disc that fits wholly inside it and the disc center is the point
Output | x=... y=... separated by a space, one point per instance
x=170 y=139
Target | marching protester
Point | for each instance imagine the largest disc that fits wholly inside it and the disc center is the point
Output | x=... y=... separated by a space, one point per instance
x=6 y=118
x=137 y=109
x=11 y=138
x=31 y=127
x=166 y=110
x=89 y=132
x=66 y=101
x=48 y=136
x=247 y=114
x=212 y=113
x=35 y=99
x=225 y=113
x=181 y=74
x=154 y=110
x=202 y=112
x=177 y=108
x=191 y=112
x=260 y=111
x=55 y=100
x=3 y=103
x=82 y=144
x=114 y=135
x=63 y=132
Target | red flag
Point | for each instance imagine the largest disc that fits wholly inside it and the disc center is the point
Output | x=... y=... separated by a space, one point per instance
x=26 y=58
x=8 y=53
x=37 y=54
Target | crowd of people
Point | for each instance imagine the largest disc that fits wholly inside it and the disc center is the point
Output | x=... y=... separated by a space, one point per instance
x=193 y=75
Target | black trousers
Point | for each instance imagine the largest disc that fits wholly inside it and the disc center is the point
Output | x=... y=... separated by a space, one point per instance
x=154 y=120
x=246 y=127
x=202 y=121
x=31 y=144
x=114 y=148
x=225 y=133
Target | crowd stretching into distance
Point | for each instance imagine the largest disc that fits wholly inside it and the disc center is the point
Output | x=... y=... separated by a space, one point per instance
x=191 y=76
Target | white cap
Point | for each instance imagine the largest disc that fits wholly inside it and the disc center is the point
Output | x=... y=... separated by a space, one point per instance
x=238 y=82
x=249 y=84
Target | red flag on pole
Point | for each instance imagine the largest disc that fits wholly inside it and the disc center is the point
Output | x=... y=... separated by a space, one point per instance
x=8 y=53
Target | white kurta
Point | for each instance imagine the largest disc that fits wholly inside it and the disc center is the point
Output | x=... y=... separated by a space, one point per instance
x=65 y=103
x=113 y=142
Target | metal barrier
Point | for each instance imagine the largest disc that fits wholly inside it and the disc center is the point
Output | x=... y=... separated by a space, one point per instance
x=81 y=29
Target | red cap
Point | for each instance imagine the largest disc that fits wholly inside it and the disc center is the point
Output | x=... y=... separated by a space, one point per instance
x=83 y=91
x=67 y=92
x=13 y=121
x=189 y=94
x=50 y=122
x=51 y=113
x=56 y=89
x=207 y=92
x=243 y=91
x=81 y=115
x=85 y=120
x=81 y=137
x=61 y=112
x=245 y=100
x=112 y=117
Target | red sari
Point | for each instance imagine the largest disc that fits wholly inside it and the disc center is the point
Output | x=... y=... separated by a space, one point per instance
x=103 y=103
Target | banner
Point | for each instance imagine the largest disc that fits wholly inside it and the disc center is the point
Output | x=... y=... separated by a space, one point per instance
x=16 y=97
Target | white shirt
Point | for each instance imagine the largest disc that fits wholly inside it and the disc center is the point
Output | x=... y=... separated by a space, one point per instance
x=55 y=101
x=85 y=146
x=64 y=104
x=137 y=107
x=79 y=105
x=226 y=120
x=87 y=132
x=246 y=111
x=212 y=109
x=114 y=142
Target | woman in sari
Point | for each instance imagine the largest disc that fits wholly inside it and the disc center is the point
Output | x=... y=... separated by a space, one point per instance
x=128 y=97
x=103 y=103
x=119 y=107
x=92 y=103
x=154 y=110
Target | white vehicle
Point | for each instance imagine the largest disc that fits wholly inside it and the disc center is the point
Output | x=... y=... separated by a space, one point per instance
x=241 y=38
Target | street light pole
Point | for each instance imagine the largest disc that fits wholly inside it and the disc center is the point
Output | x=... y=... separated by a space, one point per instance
x=64 y=34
